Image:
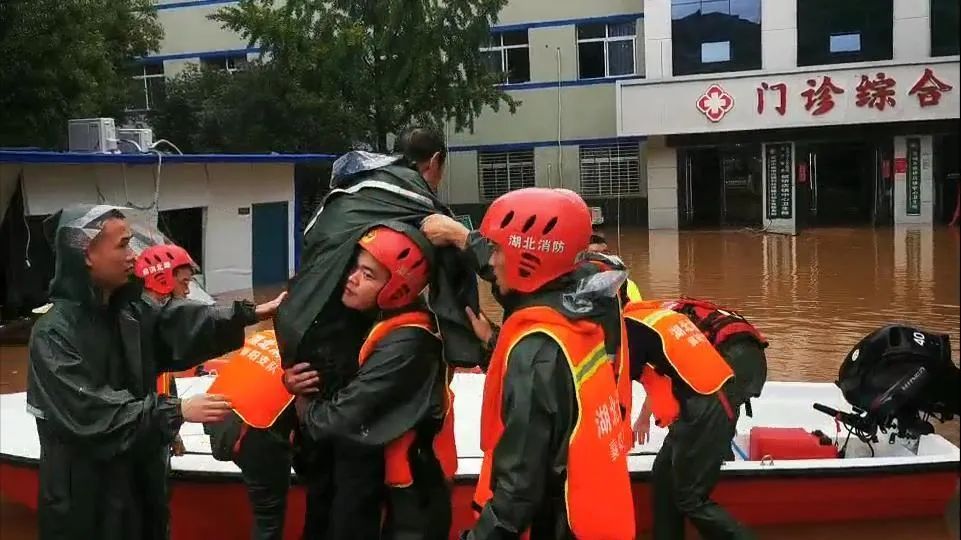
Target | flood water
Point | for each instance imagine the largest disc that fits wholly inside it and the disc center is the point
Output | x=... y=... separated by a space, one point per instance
x=814 y=296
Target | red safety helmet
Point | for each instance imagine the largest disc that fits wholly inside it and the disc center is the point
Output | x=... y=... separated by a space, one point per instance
x=409 y=270
x=156 y=266
x=542 y=231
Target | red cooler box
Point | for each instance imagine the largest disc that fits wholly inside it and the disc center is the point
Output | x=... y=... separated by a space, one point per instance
x=788 y=443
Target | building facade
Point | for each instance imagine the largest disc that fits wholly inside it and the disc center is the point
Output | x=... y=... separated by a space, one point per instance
x=677 y=113
x=785 y=114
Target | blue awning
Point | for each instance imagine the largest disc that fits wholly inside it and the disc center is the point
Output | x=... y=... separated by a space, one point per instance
x=54 y=158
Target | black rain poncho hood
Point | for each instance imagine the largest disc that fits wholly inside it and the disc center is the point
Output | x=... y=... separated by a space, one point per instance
x=370 y=190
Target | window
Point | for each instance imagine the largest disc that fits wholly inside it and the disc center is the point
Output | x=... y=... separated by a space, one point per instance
x=944 y=27
x=711 y=36
x=508 y=54
x=228 y=63
x=610 y=170
x=500 y=172
x=718 y=51
x=832 y=32
x=606 y=50
x=148 y=87
x=845 y=42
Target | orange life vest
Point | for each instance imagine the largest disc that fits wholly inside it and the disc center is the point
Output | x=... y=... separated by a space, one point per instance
x=164 y=383
x=622 y=363
x=598 y=487
x=694 y=359
x=397 y=465
x=252 y=379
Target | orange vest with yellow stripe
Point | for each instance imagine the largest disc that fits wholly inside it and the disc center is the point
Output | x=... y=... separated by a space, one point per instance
x=397 y=464
x=598 y=488
x=689 y=352
x=164 y=383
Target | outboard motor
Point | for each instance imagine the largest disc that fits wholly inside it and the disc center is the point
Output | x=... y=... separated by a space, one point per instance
x=896 y=379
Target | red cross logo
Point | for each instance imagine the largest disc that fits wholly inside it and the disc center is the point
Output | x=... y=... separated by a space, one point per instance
x=715 y=103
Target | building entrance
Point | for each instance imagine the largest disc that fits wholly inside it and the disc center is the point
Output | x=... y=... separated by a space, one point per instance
x=844 y=183
x=721 y=186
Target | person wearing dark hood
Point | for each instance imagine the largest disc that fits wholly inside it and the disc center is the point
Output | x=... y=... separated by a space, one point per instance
x=599 y=253
x=313 y=325
x=399 y=402
x=93 y=362
x=690 y=390
x=555 y=457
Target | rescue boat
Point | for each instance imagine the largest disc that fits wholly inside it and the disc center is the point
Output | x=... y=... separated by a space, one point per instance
x=881 y=480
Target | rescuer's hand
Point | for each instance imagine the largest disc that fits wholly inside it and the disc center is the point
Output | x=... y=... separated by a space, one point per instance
x=301 y=380
x=269 y=309
x=443 y=231
x=483 y=328
x=177 y=447
x=642 y=426
x=205 y=408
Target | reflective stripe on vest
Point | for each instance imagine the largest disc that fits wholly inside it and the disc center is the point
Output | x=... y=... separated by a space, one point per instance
x=633 y=291
x=598 y=489
x=693 y=358
x=164 y=382
x=397 y=464
x=252 y=379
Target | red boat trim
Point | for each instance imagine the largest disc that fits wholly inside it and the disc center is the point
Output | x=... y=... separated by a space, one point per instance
x=468 y=479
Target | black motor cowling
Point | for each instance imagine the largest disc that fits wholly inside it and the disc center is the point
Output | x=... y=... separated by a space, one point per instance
x=899 y=373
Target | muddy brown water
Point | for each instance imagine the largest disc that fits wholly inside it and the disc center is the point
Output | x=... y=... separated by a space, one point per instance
x=814 y=296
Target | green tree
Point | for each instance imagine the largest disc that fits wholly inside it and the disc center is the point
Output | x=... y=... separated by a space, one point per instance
x=388 y=62
x=259 y=109
x=62 y=59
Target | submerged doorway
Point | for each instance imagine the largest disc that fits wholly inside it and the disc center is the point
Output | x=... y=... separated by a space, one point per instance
x=845 y=183
x=721 y=186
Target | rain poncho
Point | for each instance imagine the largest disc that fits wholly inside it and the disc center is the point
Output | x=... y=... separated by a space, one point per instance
x=91 y=386
x=367 y=190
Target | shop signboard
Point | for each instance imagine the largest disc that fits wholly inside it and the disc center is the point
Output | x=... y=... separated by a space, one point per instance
x=779 y=163
x=913 y=190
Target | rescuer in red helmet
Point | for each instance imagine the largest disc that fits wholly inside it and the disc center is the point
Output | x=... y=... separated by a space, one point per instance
x=166 y=271
x=555 y=451
x=399 y=401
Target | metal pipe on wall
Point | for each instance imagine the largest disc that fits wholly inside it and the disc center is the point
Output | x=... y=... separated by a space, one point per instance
x=560 y=151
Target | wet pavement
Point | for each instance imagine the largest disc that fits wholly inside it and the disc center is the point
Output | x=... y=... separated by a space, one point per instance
x=814 y=296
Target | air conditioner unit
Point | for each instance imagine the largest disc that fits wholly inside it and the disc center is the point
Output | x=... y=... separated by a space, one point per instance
x=92 y=135
x=142 y=139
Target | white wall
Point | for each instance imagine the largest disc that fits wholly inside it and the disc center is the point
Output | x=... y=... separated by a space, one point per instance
x=657 y=39
x=188 y=30
x=221 y=188
x=662 y=184
x=524 y=11
x=779 y=34
x=912 y=30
